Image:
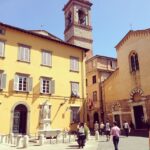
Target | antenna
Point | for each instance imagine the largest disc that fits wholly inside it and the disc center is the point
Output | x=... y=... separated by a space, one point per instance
x=131 y=26
x=42 y=25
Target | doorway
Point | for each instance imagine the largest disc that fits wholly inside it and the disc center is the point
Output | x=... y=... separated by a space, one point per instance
x=139 y=116
x=117 y=119
x=96 y=117
x=20 y=119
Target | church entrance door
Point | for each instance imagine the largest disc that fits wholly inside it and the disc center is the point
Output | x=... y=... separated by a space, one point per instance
x=139 y=116
x=117 y=119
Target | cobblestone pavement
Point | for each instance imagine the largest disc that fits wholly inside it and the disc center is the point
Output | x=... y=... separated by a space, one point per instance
x=126 y=143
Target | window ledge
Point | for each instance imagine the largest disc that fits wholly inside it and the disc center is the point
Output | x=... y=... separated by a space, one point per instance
x=74 y=71
x=45 y=94
x=73 y=96
x=24 y=92
x=49 y=66
x=2 y=57
x=28 y=62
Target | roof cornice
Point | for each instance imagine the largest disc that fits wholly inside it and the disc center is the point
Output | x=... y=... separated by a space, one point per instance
x=132 y=33
x=41 y=36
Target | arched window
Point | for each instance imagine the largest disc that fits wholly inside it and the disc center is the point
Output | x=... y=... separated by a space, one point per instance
x=69 y=19
x=134 y=63
x=82 y=17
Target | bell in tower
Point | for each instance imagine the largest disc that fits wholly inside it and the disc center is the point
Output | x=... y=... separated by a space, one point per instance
x=78 y=28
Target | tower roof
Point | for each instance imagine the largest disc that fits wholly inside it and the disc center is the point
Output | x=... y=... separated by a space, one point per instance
x=85 y=2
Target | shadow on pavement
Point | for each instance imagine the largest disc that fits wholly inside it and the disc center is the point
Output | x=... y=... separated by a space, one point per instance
x=72 y=147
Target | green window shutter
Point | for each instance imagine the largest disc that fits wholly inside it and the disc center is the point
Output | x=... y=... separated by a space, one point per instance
x=43 y=58
x=30 y=82
x=76 y=64
x=27 y=54
x=50 y=59
x=3 y=81
x=16 y=83
x=2 y=45
x=41 y=85
x=71 y=115
x=20 y=53
x=52 y=86
x=71 y=63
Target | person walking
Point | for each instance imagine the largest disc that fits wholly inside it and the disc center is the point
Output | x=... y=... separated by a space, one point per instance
x=81 y=135
x=126 y=128
x=115 y=132
x=107 y=129
x=96 y=130
x=96 y=126
x=102 y=128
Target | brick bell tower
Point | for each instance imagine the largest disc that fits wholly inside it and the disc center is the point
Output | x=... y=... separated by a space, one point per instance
x=78 y=29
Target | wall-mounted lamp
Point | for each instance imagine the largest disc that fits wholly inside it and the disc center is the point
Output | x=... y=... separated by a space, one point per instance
x=61 y=104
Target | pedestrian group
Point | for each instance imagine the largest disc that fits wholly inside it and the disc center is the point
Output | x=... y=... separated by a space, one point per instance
x=102 y=129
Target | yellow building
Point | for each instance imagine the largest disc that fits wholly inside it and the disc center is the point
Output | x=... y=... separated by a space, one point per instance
x=38 y=69
x=127 y=90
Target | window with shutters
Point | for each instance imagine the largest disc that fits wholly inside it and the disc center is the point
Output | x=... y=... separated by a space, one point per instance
x=2 y=81
x=94 y=79
x=95 y=96
x=22 y=83
x=47 y=85
x=74 y=64
x=46 y=58
x=24 y=53
x=75 y=115
x=134 y=62
x=2 y=48
x=75 y=89
x=2 y=31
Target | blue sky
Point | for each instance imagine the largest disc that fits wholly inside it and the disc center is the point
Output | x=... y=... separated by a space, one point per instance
x=111 y=19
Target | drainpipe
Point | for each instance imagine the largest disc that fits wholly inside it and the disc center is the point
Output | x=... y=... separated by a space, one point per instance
x=83 y=78
x=101 y=101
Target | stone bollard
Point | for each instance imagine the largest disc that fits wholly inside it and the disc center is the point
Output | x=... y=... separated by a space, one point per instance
x=0 y=138
x=20 y=142
x=41 y=139
x=3 y=139
x=96 y=135
x=26 y=141
x=88 y=135
x=12 y=139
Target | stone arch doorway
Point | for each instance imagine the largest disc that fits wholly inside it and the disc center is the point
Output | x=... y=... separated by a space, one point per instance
x=96 y=117
x=20 y=119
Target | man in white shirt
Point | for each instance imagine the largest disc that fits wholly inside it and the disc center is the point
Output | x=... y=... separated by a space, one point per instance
x=126 y=128
x=107 y=129
x=115 y=132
